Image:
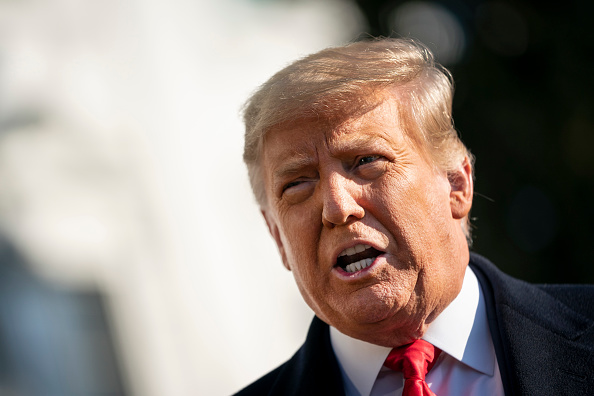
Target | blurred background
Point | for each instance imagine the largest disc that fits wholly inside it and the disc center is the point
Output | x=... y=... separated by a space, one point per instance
x=133 y=260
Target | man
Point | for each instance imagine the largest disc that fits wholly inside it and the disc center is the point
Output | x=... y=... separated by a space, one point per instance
x=366 y=189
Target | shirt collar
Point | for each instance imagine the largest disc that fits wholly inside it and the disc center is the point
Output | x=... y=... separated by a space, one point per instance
x=461 y=331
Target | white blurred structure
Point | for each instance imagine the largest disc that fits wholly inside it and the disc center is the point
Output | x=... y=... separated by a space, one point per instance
x=120 y=169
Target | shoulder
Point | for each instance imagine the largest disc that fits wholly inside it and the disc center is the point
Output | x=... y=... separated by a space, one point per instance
x=263 y=385
x=543 y=334
x=579 y=297
x=313 y=370
x=525 y=296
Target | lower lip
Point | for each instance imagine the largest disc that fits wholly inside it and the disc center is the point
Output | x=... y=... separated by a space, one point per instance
x=361 y=273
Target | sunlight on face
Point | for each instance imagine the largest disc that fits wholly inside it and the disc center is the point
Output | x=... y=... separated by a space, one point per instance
x=365 y=223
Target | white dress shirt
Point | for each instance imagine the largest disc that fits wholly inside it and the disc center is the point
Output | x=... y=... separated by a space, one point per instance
x=466 y=366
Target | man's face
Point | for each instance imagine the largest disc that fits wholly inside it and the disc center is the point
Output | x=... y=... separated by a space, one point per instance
x=370 y=229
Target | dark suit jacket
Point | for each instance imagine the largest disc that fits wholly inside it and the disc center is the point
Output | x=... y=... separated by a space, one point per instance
x=543 y=337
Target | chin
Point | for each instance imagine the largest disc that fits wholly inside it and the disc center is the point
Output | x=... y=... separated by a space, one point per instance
x=372 y=314
x=365 y=318
x=380 y=323
x=378 y=303
x=389 y=332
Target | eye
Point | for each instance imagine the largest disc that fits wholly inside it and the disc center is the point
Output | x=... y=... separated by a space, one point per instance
x=370 y=167
x=291 y=184
x=367 y=159
x=297 y=191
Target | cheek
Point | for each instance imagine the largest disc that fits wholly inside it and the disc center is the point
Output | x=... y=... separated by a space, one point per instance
x=418 y=190
x=300 y=238
x=303 y=257
x=391 y=200
x=412 y=209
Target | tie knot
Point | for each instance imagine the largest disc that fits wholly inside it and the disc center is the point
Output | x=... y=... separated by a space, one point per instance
x=413 y=360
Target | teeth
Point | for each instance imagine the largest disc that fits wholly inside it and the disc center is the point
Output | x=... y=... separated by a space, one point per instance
x=354 y=250
x=359 y=265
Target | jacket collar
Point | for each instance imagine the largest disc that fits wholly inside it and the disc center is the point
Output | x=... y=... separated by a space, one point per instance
x=539 y=340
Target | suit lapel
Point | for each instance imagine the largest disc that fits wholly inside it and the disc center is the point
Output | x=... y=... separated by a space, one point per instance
x=542 y=345
x=313 y=370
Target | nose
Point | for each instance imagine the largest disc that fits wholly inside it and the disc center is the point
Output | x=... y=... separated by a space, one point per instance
x=340 y=201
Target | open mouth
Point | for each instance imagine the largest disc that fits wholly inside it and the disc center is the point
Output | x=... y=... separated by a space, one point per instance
x=357 y=258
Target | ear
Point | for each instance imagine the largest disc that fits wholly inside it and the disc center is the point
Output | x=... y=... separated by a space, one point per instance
x=274 y=231
x=462 y=187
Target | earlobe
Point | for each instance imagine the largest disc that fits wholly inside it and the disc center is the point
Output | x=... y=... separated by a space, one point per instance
x=275 y=233
x=462 y=188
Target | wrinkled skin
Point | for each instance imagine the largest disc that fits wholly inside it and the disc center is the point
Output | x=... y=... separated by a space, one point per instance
x=365 y=182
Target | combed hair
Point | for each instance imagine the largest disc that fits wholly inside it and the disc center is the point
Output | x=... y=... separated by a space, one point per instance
x=339 y=83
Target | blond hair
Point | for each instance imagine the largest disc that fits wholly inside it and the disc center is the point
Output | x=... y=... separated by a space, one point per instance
x=343 y=82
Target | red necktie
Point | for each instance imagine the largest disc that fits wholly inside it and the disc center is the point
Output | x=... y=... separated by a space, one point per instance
x=414 y=361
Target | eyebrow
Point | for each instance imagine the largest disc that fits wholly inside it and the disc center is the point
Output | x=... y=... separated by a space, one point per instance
x=345 y=145
x=293 y=166
x=296 y=161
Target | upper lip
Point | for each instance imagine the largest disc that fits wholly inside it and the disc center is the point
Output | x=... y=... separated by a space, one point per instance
x=354 y=249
